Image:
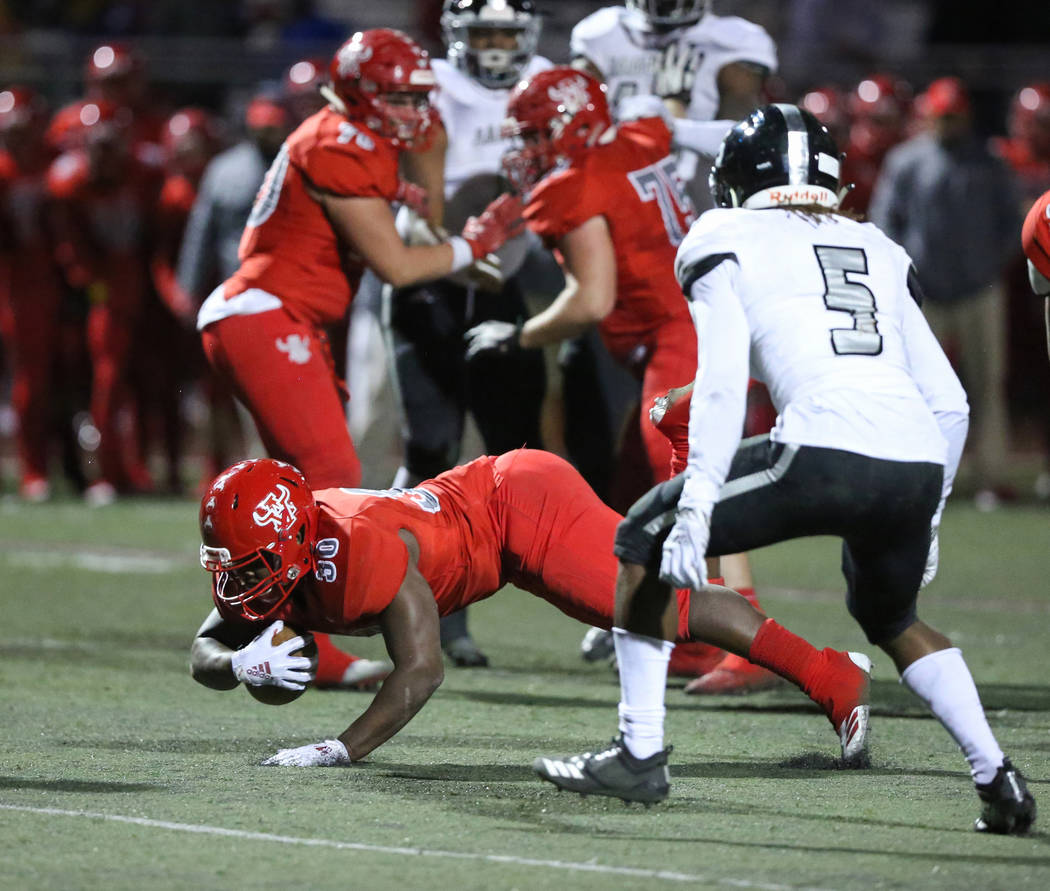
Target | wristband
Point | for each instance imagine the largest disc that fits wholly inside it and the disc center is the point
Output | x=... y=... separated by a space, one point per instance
x=462 y=253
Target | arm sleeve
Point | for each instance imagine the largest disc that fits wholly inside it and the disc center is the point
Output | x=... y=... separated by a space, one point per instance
x=719 y=400
x=702 y=137
x=196 y=266
x=941 y=389
x=349 y=172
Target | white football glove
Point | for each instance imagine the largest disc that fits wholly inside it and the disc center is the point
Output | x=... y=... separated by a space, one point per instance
x=493 y=336
x=676 y=71
x=683 y=564
x=327 y=753
x=261 y=664
x=932 y=558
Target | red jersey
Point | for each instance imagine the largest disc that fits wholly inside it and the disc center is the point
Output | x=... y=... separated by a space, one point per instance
x=633 y=183
x=102 y=231
x=361 y=561
x=288 y=248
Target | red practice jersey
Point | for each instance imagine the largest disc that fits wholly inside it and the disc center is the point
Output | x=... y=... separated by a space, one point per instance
x=288 y=248
x=632 y=182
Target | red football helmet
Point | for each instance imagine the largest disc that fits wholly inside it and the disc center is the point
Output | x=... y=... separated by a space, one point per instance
x=383 y=79
x=551 y=117
x=828 y=105
x=21 y=107
x=258 y=520
x=301 y=87
x=190 y=137
x=111 y=60
x=1030 y=118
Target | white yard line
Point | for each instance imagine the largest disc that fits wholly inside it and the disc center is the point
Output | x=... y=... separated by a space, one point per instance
x=564 y=866
x=95 y=561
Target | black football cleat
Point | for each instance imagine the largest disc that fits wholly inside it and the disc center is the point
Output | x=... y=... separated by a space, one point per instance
x=613 y=772
x=464 y=653
x=1009 y=808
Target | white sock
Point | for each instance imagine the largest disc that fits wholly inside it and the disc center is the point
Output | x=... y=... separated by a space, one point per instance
x=945 y=684
x=643 y=676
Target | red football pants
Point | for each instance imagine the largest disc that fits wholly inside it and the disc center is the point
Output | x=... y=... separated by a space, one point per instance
x=557 y=537
x=32 y=332
x=281 y=369
x=670 y=362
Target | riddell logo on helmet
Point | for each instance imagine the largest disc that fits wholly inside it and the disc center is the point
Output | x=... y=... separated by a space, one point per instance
x=276 y=509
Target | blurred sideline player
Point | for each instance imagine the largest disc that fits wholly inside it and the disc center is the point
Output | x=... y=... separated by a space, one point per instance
x=102 y=195
x=358 y=561
x=608 y=199
x=1027 y=150
x=321 y=216
x=1035 y=239
x=169 y=355
x=871 y=428
x=30 y=287
x=491 y=45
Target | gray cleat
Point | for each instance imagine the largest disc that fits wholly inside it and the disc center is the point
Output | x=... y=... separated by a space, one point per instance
x=614 y=772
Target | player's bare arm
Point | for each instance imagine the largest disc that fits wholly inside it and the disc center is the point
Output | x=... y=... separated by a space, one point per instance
x=411 y=631
x=366 y=226
x=739 y=89
x=427 y=169
x=590 y=292
x=212 y=649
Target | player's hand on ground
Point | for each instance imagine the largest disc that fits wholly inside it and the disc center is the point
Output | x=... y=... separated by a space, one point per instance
x=499 y=223
x=492 y=336
x=932 y=558
x=683 y=564
x=262 y=663
x=327 y=753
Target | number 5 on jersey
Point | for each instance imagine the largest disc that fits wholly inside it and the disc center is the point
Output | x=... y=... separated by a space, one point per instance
x=843 y=295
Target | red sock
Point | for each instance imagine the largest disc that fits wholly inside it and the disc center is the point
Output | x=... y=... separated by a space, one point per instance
x=331 y=661
x=787 y=654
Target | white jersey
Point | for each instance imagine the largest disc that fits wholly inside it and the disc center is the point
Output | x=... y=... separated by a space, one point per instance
x=473 y=115
x=615 y=41
x=821 y=311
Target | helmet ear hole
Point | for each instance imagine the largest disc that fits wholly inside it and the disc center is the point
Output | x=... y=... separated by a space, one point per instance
x=301 y=535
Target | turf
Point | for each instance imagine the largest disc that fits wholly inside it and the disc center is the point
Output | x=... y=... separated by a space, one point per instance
x=117 y=771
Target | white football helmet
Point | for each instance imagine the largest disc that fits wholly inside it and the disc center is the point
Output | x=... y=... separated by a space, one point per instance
x=663 y=15
x=491 y=40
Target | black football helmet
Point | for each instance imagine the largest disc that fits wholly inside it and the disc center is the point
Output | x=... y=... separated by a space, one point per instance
x=491 y=61
x=778 y=155
x=662 y=15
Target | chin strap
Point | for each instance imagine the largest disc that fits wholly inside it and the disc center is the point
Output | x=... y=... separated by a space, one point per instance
x=333 y=99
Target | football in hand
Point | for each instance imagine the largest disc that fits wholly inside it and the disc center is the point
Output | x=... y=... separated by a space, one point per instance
x=278 y=695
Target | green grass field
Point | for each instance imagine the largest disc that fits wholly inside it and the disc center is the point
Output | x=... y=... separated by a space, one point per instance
x=117 y=771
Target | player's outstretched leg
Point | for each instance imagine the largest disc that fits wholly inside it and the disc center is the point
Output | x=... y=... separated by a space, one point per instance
x=838 y=682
